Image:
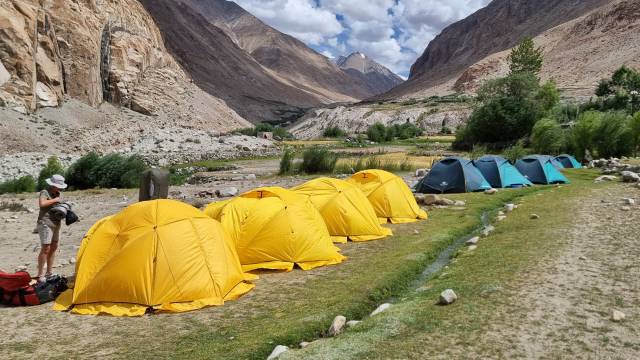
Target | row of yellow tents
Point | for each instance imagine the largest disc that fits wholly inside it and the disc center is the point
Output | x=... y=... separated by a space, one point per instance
x=167 y=256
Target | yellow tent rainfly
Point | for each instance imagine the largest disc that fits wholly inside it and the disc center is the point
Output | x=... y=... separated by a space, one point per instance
x=345 y=210
x=158 y=256
x=390 y=196
x=274 y=228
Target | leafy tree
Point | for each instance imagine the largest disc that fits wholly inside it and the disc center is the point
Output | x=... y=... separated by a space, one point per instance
x=80 y=173
x=548 y=96
x=333 y=132
x=53 y=167
x=286 y=163
x=526 y=58
x=634 y=128
x=377 y=132
x=547 y=137
x=17 y=186
x=605 y=88
x=117 y=171
x=318 y=160
x=515 y=152
x=613 y=136
x=621 y=92
x=583 y=134
x=518 y=85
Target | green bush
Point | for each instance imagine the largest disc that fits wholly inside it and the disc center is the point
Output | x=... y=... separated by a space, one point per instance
x=613 y=136
x=80 y=173
x=17 y=186
x=380 y=133
x=478 y=151
x=515 y=152
x=620 y=92
x=286 y=163
x=318 y=160
x=117 y=171
x=509 y=109
x=583 y=134
x=377 y=132
x=547 y=137
x=634 y=129
x=266 y=127
x=333 y=132
x=53 y=167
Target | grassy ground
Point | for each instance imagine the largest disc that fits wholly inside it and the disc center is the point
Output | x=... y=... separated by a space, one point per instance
x=417 y=328
x=375 y=272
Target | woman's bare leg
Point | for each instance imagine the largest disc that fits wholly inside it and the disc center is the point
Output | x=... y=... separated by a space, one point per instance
x=43 y=256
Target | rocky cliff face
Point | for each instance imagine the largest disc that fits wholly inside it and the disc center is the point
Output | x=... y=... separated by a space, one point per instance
x=495 y=28
x=357 y=119
x=379 y=79
x=77 y=76
x=94 y=51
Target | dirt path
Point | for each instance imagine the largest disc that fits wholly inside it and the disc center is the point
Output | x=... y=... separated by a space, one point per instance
x=564 y=308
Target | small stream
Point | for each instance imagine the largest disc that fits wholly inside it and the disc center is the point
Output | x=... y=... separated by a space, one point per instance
x=445 y=256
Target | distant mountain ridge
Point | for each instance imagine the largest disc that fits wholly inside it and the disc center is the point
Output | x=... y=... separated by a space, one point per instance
x=496 y=28
x=285 y=56
x=379 y=78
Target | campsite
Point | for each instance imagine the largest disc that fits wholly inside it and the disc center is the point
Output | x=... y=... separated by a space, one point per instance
x=298 y=306
x=319 y=179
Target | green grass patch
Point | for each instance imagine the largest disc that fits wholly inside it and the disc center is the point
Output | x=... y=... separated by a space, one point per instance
x=417 y=328
x=293 y=311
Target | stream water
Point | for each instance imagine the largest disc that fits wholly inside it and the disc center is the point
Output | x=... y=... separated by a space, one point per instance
x=445 y=256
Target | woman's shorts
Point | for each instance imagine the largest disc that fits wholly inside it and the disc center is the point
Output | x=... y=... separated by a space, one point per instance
x=48 y=234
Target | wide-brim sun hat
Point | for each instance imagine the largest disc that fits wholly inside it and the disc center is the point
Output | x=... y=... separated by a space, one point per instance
x=57 y=181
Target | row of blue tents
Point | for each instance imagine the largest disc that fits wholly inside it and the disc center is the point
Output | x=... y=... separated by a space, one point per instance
x=458 y=175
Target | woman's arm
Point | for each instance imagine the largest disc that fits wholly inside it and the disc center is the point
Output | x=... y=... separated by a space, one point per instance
x=43 y=202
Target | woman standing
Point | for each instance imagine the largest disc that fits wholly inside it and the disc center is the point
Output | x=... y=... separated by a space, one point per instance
x=48 y=226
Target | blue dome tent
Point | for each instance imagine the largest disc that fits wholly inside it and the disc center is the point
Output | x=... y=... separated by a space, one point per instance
x=568 y=161
x=539 y=169
x=559 y=165
x=500 y=173
x=452 y=175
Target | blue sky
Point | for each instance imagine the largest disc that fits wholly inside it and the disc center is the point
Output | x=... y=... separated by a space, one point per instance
x=393 y=32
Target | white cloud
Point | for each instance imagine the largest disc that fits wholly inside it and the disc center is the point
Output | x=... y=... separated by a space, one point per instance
x=299 y=18
x=393 y=32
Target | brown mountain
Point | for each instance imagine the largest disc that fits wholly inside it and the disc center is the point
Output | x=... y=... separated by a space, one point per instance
x=219 y=66
x=497 y=27
x=379 y=78
x=66 y=59
x=289 y=57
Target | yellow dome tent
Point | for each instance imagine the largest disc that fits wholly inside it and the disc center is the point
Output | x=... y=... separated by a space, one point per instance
x=391 y=198
x=345 y=210
x=161 y=255
x=274 y=228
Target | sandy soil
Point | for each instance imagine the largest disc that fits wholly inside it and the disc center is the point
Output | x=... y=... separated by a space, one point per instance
x=563 y=308
x=39 y=331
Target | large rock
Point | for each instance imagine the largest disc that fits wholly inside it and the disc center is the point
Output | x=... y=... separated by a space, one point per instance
x=473 y=241
x=447 y=297
x=433 y=199
x=227 y=192
x=337 y=325
x=630 y=176
x=617 y=316
x=277 y=351
x=604 y=178
x=4 y=74
x=381 y=308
